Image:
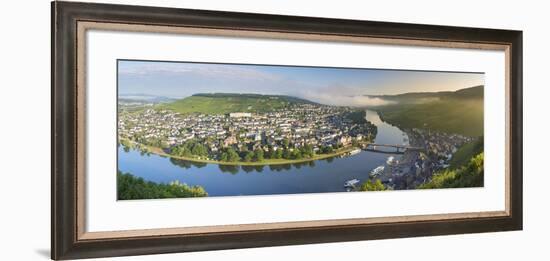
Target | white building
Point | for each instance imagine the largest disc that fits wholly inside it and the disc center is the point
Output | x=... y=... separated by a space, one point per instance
x=240 y=114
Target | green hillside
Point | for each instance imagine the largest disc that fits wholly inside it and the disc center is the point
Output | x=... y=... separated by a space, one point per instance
x=465 y=152
x=453 y=112
x=468 y=93
x=222 y=103
x=419 y=97
x=469 y=175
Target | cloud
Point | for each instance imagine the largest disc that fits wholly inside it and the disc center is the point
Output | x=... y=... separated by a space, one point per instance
x=342 y=96
x=217 y=71
x=353 y=101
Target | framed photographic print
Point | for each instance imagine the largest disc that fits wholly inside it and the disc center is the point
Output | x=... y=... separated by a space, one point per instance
x=180 y=130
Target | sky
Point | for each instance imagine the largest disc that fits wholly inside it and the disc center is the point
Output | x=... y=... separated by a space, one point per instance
x=331 y=86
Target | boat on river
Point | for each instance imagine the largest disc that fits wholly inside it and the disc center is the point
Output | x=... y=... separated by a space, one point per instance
x=392 y=161
x=377 y=171
x=355 y=151
x=351 y=183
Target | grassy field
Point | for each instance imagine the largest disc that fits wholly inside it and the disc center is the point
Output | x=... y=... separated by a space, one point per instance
x=459 y=113
x=226 y=103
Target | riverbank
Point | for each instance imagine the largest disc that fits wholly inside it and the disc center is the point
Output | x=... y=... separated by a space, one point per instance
x=265 y=162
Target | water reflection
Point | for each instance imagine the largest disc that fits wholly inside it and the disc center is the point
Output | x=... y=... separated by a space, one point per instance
x=234 y=169
x=187 y=164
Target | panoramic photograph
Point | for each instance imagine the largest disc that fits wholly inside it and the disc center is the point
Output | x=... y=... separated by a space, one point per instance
x=188 y=129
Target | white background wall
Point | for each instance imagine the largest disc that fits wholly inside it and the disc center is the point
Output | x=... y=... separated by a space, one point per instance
x=25 y=129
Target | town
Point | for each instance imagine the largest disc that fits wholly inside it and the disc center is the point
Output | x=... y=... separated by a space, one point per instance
x=299 y=131
x=416 y=167
x=257 y=129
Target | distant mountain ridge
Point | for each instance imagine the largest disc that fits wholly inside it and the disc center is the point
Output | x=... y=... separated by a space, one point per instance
x=475 y=92
x=459 y=112
x=140 y=97
x=291 y=99
x=223 y=103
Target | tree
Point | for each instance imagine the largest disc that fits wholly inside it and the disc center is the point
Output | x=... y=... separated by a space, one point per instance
x=357 y=117
x=307 y=151
x=278 y=154
x=127 y=145
x=326 y=149
x=269 y=154
x=199 y=150
x=258 y=155
x=286 y=154
x=373 y=186
x=131 y=187
x=296 y=154
x=248 y=156
x=224 y=156
x=181 y=151
x=232 y=155
x=286 y=142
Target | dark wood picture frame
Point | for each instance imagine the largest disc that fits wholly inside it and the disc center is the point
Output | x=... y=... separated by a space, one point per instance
x=69 y=242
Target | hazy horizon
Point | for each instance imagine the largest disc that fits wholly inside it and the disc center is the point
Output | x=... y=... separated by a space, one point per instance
x=327 y=85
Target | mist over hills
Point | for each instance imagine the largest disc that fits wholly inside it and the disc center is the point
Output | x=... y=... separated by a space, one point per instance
x=459 y=112
x=475 y=92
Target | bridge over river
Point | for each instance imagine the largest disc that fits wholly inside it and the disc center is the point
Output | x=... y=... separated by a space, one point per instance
x=399 y=149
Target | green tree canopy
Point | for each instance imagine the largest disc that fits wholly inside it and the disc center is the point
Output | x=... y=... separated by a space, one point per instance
x=258 y=155
x=371 y=185
x=248 y=156
x=131 y=187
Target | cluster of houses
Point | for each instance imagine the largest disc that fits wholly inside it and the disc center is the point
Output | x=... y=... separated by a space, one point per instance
x=440 y=146
x=297 y=125
x=416 y=167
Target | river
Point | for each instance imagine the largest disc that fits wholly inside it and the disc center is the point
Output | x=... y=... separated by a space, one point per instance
x=327 y=175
